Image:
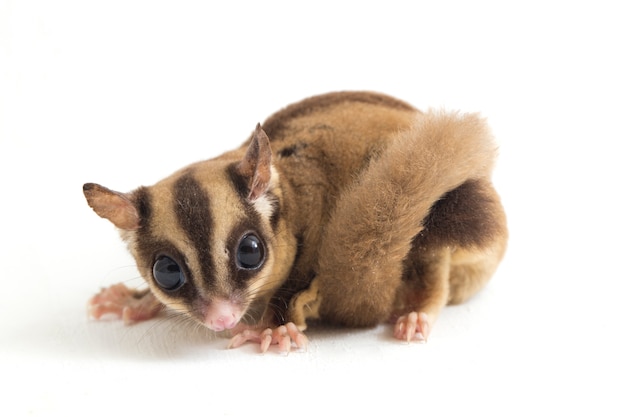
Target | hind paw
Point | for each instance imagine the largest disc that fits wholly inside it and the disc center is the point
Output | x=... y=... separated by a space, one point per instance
x=412 y=326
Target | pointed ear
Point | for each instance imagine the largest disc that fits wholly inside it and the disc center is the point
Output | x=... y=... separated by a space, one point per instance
x=113 y=206
x=255 y=167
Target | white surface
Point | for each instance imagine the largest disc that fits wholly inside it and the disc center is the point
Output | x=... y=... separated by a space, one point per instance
x=124 y=92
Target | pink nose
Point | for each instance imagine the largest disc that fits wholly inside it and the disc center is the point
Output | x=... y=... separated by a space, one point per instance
x=222 y=315
x=222 y=323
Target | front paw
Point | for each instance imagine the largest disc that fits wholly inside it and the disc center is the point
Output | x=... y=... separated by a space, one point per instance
x=412 y=326
x=286 y=337
x=125 y=303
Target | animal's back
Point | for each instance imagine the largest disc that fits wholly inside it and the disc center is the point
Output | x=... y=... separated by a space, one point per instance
x=320 y=147
x=322 y=143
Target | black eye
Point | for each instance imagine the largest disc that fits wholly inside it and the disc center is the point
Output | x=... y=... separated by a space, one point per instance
x=167 y=274
x=250 y=252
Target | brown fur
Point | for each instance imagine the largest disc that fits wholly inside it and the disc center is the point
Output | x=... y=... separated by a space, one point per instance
x=380 y=219
x=367 y=208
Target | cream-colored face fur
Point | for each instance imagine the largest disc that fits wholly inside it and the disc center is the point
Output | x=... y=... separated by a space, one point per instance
x=209 y=239
x=198 y=219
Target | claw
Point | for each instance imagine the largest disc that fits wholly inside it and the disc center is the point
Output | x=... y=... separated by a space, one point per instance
x=282 y=336
x=399 y=329
x=266 y=340
x=297 y=336
x=425 y=325
x=412 y=326
x=284 y=340
x=241 y=338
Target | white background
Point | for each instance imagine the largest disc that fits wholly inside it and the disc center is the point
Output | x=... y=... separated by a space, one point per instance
x=125 y=92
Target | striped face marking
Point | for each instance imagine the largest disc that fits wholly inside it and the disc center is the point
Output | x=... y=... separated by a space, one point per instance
x=193 y=214
x=206 y=249
x=209 y=240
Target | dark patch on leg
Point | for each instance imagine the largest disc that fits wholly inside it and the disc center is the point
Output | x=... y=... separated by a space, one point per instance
x=467 y=216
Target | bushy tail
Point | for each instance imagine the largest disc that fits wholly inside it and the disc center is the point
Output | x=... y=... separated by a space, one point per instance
x=375 y=220
x=439 y=153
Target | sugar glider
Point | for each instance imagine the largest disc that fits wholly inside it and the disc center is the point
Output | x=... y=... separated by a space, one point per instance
x=348 y=208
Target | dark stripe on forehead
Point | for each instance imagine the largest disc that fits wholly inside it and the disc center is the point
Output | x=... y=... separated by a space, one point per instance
x=251 y=224
x=144 y=242
x=239 y=182
x=150 y=248
x=141 y=198
x=241 y=186
x=193 y=212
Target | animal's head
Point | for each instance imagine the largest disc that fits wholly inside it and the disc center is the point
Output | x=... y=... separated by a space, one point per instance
x=209 y=239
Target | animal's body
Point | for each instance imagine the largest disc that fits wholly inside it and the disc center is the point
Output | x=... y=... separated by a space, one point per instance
x=352 y=208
